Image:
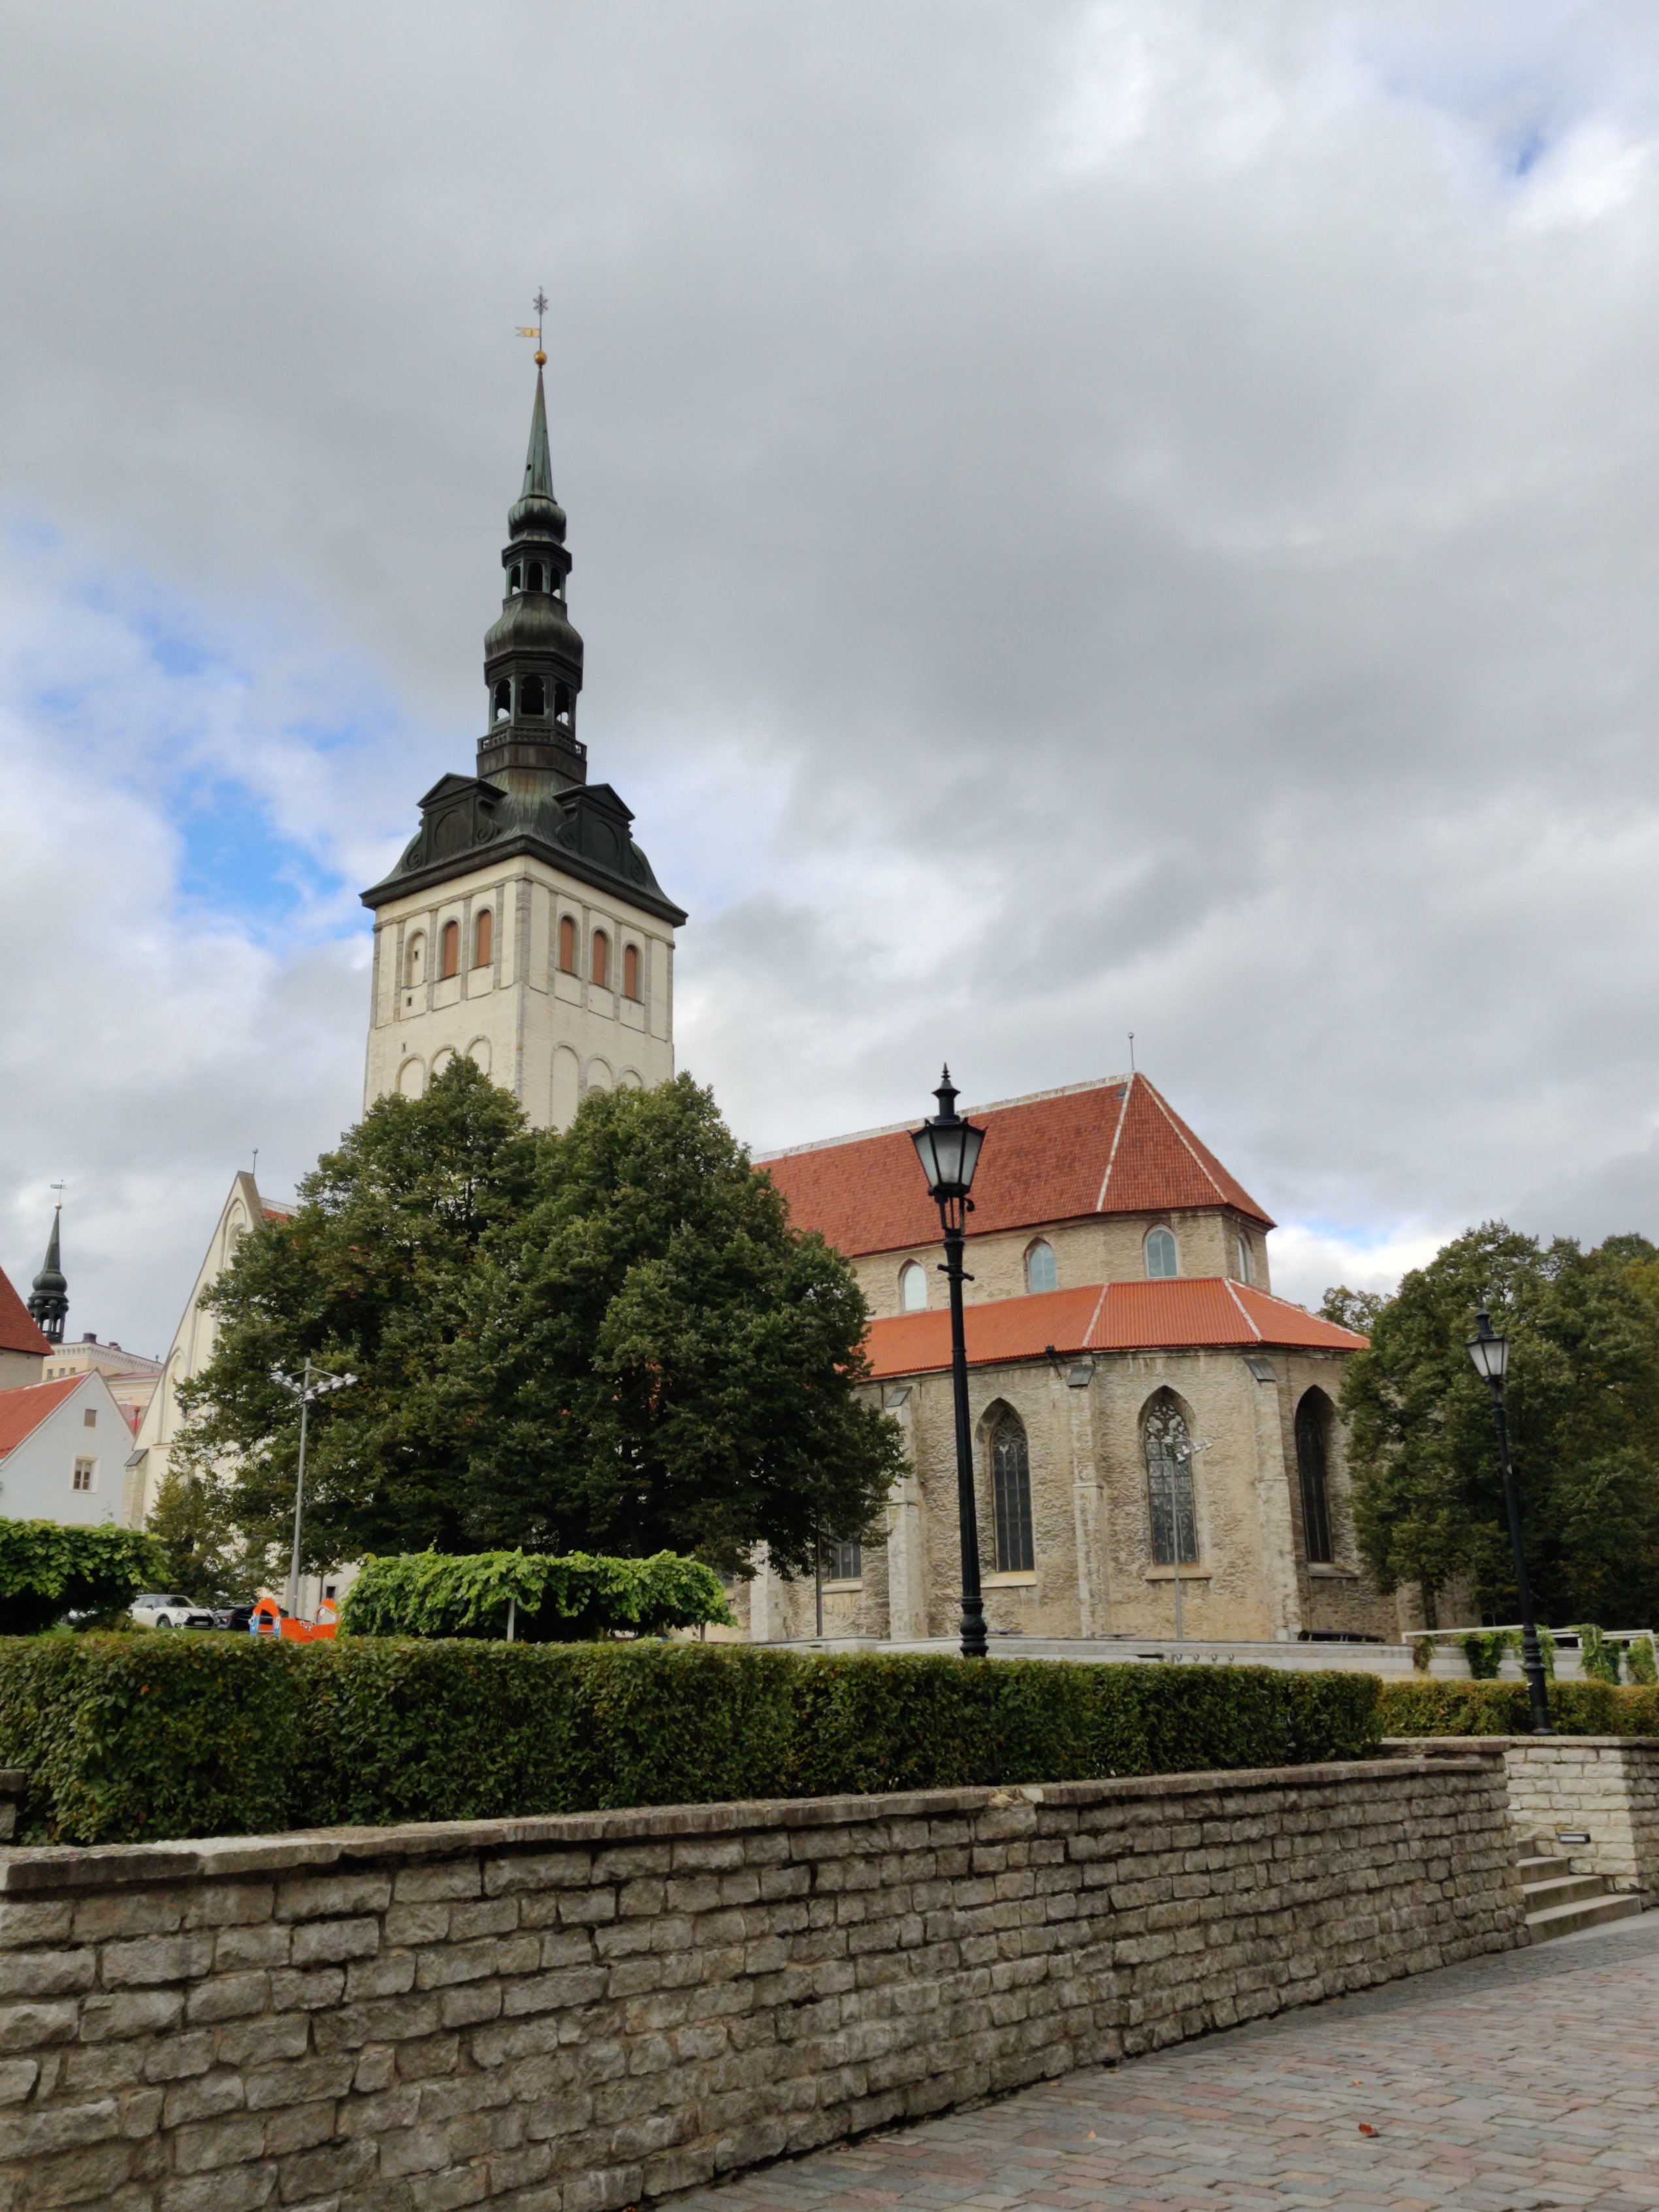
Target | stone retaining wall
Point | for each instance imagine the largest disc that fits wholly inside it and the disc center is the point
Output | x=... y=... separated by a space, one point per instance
x=564 y=2015
x=1606 y=1787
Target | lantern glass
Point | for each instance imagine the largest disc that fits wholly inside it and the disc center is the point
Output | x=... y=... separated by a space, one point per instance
x=1489 y=1353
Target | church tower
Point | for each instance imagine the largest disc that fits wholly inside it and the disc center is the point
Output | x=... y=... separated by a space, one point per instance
x=49 y=1298
x=523 y=926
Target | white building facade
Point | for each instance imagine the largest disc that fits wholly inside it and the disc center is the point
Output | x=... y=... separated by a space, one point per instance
x=63 y=1452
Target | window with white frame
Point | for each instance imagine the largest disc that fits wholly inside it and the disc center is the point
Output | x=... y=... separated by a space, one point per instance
x=1040 y=1273
x=913 y=1288
x=1163 y=1260
x=86 y=1475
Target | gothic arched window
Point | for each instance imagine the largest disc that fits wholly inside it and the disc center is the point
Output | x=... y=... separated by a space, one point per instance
x=1040 y=1273
x=1162 y=1259
x=1246 y=1265
x=414 y=960
x=913 y=1288
x=568 y=943
x=630 y=971
x=1173 y=1507
x=483 y=939
x=449 y=963
x=1011 y=1495
x=503 y=707
x=533 y=696
x=1313 y=1429
x=601 y=958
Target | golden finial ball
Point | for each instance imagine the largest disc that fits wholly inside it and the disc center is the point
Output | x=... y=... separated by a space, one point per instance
x=541 y=361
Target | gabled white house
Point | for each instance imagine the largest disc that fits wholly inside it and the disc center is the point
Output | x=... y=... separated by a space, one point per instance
x=63 y=1452
x=191 y=1348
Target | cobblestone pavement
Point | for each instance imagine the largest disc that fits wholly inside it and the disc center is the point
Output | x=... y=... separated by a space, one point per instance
x=1513 y=2083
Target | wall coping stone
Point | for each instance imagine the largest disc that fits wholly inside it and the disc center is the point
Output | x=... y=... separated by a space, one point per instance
x=1459 y=1747
x=119 y=1866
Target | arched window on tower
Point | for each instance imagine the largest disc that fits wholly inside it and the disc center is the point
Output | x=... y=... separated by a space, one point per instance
x=449 y=962
x=1040 y=1273
x=532 y=580
x=1011 y=1495
x=533 y=696
x=503 y=707
x=913 y=1288
x=414 y=960
x=630 y=971
x=1313 y=1431
x=1162 y=1259
x=1173 y=1507
x=515 y=577
x=483 y=939
x=567 y=945
x=561 y=704
x=601 y=958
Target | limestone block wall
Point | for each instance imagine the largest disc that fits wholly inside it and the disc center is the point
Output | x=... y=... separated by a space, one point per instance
x=565 y=2015
x=1606 y=1787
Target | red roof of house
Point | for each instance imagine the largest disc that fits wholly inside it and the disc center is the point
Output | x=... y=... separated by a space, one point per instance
x=18 y=1331
x=1189 y=1313
x=1111 y=1147
x=21 y=1412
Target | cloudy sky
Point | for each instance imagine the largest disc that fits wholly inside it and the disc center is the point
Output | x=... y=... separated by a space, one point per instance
x=1087 y=518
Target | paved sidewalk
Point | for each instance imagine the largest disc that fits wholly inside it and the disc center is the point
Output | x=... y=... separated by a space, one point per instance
x=1507 y=2084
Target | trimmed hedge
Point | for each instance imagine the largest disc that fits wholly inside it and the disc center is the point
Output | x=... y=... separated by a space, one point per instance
x=568 y=1600
x=47 y=1570
x=1421 y=1707
x=133 y=1739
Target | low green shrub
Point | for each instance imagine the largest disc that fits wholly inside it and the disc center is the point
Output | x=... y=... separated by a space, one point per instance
x=47 y=1570
x=131 y=1739
x=1421 y=1707
x=569 y=1600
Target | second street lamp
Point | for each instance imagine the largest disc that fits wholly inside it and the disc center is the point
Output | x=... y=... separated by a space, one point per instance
x=948 y=1148
x=307 y=1390
x=1491 y=1353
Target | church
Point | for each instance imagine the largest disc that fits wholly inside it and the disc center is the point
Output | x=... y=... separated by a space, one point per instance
x=1157 y=1445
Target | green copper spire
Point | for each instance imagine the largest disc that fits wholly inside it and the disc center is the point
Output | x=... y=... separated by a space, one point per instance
x=49 y=1298
x=538 y=463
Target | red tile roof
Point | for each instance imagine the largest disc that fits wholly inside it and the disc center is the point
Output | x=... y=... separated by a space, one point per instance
x=21 y=1412
x=1191 y=1313
x=17 y=1330
x=1112 y=1147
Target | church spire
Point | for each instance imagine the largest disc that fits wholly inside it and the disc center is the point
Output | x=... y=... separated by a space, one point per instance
x=49 y=1299
x=532 y=654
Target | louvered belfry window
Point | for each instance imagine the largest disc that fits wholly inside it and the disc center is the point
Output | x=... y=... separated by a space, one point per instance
x=1169 y=1486
x=1011 y=1495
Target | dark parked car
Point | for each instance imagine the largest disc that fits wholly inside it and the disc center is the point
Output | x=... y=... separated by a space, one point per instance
x=233 y=1616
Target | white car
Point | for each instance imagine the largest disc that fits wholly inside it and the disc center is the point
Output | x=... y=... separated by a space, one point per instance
x=159 y=1611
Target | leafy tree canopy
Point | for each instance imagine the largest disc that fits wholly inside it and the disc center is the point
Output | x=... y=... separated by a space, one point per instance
x=1583 y=1401
x=607 y=1340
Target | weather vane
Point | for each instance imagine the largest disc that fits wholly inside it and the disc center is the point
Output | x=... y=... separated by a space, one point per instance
x=534 y=330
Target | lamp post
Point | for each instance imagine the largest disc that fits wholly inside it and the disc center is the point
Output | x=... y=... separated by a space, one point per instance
x=308 y=1391
x=948 y=1148
x=1490 y=1354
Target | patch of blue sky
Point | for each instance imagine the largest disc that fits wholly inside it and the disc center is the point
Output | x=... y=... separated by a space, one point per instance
x=1356 y=1235
x=236 y=866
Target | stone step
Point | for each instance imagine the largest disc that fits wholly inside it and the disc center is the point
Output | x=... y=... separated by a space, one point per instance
x=1562 y=1889
x=1569 y=1919
x=1540 y=1869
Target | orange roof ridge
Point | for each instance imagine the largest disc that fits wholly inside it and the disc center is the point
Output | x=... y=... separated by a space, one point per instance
x=21 y=1412
x=894 y=1128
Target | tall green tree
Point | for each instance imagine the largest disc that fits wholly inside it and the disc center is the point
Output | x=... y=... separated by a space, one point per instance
x=1583 y=1400
x=607 y=1340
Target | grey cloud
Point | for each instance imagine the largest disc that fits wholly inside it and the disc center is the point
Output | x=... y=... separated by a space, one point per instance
x=1087 y=518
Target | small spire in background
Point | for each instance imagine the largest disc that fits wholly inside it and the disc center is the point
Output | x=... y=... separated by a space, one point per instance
x=49 y=1298
x=1132 y=1052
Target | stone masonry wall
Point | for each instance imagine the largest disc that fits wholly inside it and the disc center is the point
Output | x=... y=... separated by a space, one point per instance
x=1606 y=1787
x=564 y=2015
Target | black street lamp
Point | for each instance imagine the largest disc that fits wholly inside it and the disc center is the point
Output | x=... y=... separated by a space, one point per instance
x=948 y=1148
x=1490 y=1355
